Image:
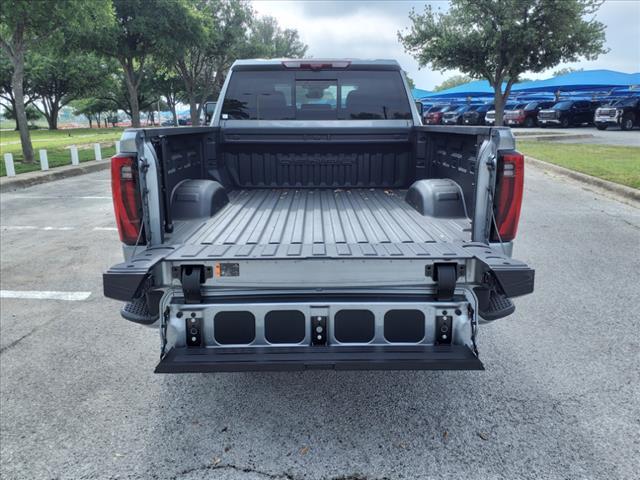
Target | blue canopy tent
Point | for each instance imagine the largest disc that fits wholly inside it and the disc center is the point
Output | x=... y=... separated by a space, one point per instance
x=591 y=80
x=418 y=93
x=584 y=84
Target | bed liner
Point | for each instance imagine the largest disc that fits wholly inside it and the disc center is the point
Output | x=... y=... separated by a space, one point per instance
x=333 y=223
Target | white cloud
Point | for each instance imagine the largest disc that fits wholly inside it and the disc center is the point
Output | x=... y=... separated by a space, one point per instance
x=358 y=29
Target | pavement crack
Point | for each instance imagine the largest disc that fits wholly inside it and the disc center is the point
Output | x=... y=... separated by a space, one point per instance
x=230 y=466
x=28 y=334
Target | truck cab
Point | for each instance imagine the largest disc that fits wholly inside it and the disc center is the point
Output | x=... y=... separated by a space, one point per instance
x=316 y=223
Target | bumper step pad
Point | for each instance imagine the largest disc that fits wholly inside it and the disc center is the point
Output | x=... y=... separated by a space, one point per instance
x=421 y=357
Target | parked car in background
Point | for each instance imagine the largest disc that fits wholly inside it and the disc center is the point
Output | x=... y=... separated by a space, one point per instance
x=490 y=117
x=526 y=116
x=434 y=115
x=624 y=113
x=567 y=113
x=454 y=116
x=476 y=116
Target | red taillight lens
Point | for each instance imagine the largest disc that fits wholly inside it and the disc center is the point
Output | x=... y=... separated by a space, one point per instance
x=126 y=199
x=509 y=187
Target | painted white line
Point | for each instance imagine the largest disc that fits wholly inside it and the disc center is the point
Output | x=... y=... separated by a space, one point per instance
x=70 y=197
x=57 y=229
x=45 y=295
x=31 y=227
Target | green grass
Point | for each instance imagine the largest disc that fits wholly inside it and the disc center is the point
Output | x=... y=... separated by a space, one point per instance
x=56 y=142
x=616 y=164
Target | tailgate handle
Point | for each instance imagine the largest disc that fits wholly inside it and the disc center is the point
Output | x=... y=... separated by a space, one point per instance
x=445 y=276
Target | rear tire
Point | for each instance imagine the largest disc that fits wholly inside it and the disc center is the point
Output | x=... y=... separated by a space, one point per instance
x=601 y=127
x=564 y=123
x=529 y=122
x=627 y=123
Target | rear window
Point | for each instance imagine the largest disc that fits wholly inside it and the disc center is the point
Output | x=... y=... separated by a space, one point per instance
x=344 y=95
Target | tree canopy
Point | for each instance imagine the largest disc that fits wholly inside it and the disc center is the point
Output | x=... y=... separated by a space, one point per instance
x=499 y=40
x=452 y=82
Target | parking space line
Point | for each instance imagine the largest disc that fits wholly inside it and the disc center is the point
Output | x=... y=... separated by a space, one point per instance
x=45 y=295
x=48 y=229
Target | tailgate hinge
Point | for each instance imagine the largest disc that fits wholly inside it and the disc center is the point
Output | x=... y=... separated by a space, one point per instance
x=192 y=276
x=445 y=275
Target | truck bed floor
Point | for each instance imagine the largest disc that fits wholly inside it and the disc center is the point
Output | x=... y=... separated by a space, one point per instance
x=286 y=223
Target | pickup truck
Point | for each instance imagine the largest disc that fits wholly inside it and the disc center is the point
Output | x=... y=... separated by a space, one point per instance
x=316 y=223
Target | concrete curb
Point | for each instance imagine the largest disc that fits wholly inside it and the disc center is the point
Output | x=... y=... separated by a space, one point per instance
x=615 y=188
x=24 y=180
x=552 y=138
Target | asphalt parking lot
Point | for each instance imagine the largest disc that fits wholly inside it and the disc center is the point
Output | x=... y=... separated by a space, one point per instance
x=588 y=134
x=560 y=398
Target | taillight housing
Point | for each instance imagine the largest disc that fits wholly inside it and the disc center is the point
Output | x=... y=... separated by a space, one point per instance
x=509 y=189
x=126 y=199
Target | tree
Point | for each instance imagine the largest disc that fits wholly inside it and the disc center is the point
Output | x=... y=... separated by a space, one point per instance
x=452 y=82
x=140 y=29
x=59 y=76
x=219 y=34
x=268 y=40
x=410 y=81
x=7 y=98
x=565 y=71
x=92 y=109
x=500 y=39
x=28 y=23
x=31 y=112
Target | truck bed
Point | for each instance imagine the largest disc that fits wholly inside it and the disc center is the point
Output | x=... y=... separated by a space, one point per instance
x=303 y=223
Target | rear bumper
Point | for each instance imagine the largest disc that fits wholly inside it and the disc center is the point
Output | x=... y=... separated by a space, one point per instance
x=549 y=121
x=200 y=360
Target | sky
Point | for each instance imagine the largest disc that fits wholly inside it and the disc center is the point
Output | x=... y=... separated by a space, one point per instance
x=368 y=29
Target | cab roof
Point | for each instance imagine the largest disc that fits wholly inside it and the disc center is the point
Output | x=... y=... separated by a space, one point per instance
x=323 y=63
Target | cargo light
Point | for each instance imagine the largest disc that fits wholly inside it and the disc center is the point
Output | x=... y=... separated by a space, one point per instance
x=510 y=186
x=126 y=199
x=315 y=65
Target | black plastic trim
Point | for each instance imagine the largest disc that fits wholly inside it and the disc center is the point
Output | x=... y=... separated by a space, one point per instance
x=423 y=357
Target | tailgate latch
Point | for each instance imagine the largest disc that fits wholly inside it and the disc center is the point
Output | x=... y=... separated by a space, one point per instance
x=445 y=275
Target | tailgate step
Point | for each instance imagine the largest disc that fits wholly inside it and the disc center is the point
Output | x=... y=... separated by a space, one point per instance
x=421 y=357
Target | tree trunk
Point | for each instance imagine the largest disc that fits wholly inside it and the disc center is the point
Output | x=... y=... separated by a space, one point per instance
x=498 y=102
x=132 y=90
x=105 y=123
x=17 y=80
x=90 y=121
x=174 y=114
x=193 y=110
x=52 y=117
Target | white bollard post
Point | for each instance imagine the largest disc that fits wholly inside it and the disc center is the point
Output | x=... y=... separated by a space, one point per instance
x=44 y=161
x=117 y=146
x=74 y=155
x=97 y=151
x=8 y=163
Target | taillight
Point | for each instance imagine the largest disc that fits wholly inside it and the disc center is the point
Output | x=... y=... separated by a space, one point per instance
x=509 y=188
x=126 y=199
